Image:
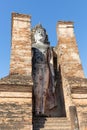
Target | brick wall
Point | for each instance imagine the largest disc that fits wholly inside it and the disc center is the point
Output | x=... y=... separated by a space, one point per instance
x=21 y=45
x=68 y=55
x=16 y=88
x=16 y=103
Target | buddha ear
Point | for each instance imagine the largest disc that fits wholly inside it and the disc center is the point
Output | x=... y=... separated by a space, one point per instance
x=35 y=37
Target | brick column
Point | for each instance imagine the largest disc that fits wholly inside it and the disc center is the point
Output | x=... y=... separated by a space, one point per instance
x=21 y=45
x=16 y=88
x=68 y=55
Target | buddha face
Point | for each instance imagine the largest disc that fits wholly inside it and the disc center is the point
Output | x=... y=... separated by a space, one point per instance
x=40 y=35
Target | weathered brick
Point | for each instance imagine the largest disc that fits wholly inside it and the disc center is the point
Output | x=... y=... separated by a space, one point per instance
x=21 y=45
x=68 y=54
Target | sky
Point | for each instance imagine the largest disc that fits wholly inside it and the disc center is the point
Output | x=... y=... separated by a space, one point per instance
x=48 y=13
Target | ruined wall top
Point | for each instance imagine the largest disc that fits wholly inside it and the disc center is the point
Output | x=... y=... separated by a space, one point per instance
x=65 y=29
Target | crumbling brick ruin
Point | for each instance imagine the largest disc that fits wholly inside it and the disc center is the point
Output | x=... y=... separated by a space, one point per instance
x=16 y=93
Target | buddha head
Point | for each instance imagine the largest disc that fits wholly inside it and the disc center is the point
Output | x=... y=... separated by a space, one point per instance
x=39 y=34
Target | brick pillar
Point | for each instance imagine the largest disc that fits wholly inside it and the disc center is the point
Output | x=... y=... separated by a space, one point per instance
x=68 y=55
x=21 y=45
x=74 y=118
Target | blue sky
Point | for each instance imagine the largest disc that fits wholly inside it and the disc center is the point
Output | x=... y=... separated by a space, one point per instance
x=48 y=13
